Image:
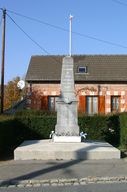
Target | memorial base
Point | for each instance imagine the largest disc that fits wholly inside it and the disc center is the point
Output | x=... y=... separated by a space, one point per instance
x=47 y=150
x=66 y=139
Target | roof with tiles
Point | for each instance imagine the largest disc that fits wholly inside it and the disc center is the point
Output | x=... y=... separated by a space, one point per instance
x=99 y=68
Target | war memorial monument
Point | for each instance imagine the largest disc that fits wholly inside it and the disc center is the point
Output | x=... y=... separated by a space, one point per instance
x=66 y=142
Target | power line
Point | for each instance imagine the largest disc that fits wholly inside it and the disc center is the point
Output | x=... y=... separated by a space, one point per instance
x=119 y=2
x=101 y=40
x=39 y=21
x=66 y=30
x=37 y=44
x=44 y=50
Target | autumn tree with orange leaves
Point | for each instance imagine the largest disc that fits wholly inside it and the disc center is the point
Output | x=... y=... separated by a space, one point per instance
x=12 y=94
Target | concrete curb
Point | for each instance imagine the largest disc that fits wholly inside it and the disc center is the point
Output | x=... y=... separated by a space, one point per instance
x=62 y=182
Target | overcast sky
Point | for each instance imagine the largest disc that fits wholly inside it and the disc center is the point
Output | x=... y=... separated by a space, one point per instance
x=99 y=26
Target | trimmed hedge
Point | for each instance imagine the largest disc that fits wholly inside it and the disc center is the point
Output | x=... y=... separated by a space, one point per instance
x=32 y=112
x=94 y=126
x=123 y=130
x=113 y=133
x=8 y=136
x=36 y=127
x=32 y=125
x=101 y=127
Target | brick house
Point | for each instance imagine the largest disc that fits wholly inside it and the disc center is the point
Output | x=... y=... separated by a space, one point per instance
x=100 y=82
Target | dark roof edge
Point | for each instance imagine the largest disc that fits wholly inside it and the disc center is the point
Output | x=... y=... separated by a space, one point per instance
x=79 y=55
x=78 y=82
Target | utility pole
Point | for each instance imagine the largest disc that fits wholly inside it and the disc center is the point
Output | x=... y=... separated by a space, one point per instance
x=3 y=58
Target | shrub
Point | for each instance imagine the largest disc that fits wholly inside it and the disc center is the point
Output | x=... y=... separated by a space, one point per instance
x=28 y=126
x=33 y=112
x=123 y=130
x=36 y=124
x=36 y=127
x=7 y=133
x=112 y=135
x=95 y=126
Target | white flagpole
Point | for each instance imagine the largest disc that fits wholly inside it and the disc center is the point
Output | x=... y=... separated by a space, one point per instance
x=70 y=36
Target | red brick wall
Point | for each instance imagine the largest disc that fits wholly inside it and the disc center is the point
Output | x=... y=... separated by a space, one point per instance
x=40 y=93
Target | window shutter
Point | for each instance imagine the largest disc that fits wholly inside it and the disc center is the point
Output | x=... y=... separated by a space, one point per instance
x=82 y=103
x=101 y=107
x=44 y=103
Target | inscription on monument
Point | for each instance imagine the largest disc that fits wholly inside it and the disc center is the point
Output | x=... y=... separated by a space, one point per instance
x=67 y=78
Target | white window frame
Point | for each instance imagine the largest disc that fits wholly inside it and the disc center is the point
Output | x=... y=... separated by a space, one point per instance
x=82 y=67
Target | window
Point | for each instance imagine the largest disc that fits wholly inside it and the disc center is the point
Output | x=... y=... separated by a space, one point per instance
x=82 y=69
x=52 y=103
x=115 y=103
x=92 y=104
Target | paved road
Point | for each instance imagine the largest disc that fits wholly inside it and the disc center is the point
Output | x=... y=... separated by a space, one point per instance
x=121 y=187
x=20 y=170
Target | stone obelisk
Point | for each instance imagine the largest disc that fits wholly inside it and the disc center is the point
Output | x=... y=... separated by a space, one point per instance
x=67 y=129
